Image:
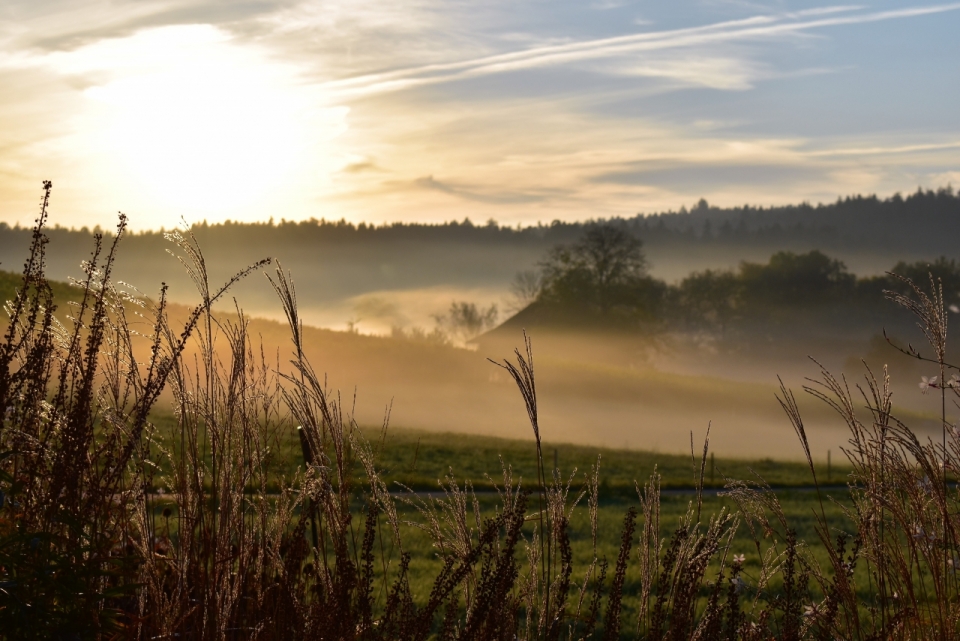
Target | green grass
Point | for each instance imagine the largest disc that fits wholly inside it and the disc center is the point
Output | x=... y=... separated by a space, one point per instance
x=799 y=507
x=418 y=459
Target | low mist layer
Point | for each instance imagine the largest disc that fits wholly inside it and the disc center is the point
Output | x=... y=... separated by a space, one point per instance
x=640 y=367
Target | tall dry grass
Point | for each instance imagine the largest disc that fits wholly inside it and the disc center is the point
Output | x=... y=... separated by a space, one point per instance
x=113 y=528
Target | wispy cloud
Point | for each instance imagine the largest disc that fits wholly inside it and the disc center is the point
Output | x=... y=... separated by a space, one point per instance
x=606 y=5
x=716 y=70
x=752 y=28
x=486 y=195
x=63 y=26
x=712 y=176
x=515 y=109
x=884 y=151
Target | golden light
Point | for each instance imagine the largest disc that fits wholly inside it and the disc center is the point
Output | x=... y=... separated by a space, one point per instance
x=190 y=124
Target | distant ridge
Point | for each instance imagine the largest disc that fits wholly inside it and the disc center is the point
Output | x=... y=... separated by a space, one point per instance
x=336 y=260
x=859 y=219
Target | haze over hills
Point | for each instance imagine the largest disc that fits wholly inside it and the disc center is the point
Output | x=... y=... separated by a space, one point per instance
x=401 y=274
x=691 y=356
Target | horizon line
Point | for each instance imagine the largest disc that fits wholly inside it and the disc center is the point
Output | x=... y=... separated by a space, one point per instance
x=684 y=210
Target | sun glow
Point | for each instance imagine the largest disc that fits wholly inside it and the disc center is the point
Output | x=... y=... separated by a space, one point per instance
x=201 y=127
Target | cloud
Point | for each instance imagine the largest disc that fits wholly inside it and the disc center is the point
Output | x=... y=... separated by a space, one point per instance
x=62 y=26
x=606 y=5
x=752 y=28
x=522 y=111
x=379 y=308
x=484 y=196
x=712 y=176
x=946 y=178
x=691 y=68
x=360 y=167
x=884 y=151
x=340 y=38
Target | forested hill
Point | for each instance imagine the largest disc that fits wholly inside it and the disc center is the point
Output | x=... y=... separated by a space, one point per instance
x=922 y=221
x=336 y=261
x=927 y=220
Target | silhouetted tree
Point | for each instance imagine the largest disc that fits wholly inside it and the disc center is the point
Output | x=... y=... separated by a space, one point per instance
x=465 y=320
x=525 y=288
x=943 y=270
x=604 y=268
x=710 y=298
x=793 y=280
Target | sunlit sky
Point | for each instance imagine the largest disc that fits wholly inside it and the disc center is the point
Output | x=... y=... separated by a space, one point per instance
x=430 y=110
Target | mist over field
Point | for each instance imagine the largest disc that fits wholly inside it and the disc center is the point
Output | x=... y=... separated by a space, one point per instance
x=672 y=357
x=403 y=274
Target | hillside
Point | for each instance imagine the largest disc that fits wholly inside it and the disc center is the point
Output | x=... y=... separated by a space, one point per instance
x=401 y=274
x=599 y=389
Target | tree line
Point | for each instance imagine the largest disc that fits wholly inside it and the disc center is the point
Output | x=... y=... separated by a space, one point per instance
x=920 y=219
x=602 y=280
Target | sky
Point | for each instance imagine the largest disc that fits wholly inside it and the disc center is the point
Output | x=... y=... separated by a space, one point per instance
x=430 y=110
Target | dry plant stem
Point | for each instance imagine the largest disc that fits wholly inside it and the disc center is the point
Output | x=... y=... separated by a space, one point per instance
x=76 y=404
x=594 y=502
x=523 y=374
x=283 y=286
x=897 y=474
x=932 y=319
x=880 y=404
x=698 y=473
x=14 y=341
x=789 y=404
x=612 y=621
x=649 y=546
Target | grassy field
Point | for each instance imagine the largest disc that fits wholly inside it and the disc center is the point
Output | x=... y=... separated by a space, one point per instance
x=419 y=459
x=418 y=467
x=425 y=462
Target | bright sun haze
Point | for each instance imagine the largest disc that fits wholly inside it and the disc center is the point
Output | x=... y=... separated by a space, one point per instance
x=201 y=123
x=196 y=125
x=431 y=111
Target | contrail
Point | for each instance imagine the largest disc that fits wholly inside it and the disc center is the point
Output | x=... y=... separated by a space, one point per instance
x=875 y=151
x=746 y=28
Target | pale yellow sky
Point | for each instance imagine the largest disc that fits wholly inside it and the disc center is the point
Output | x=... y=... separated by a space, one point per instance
x=428 y=110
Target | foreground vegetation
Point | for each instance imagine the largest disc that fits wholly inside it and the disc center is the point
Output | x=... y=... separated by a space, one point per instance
x=115 y=526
